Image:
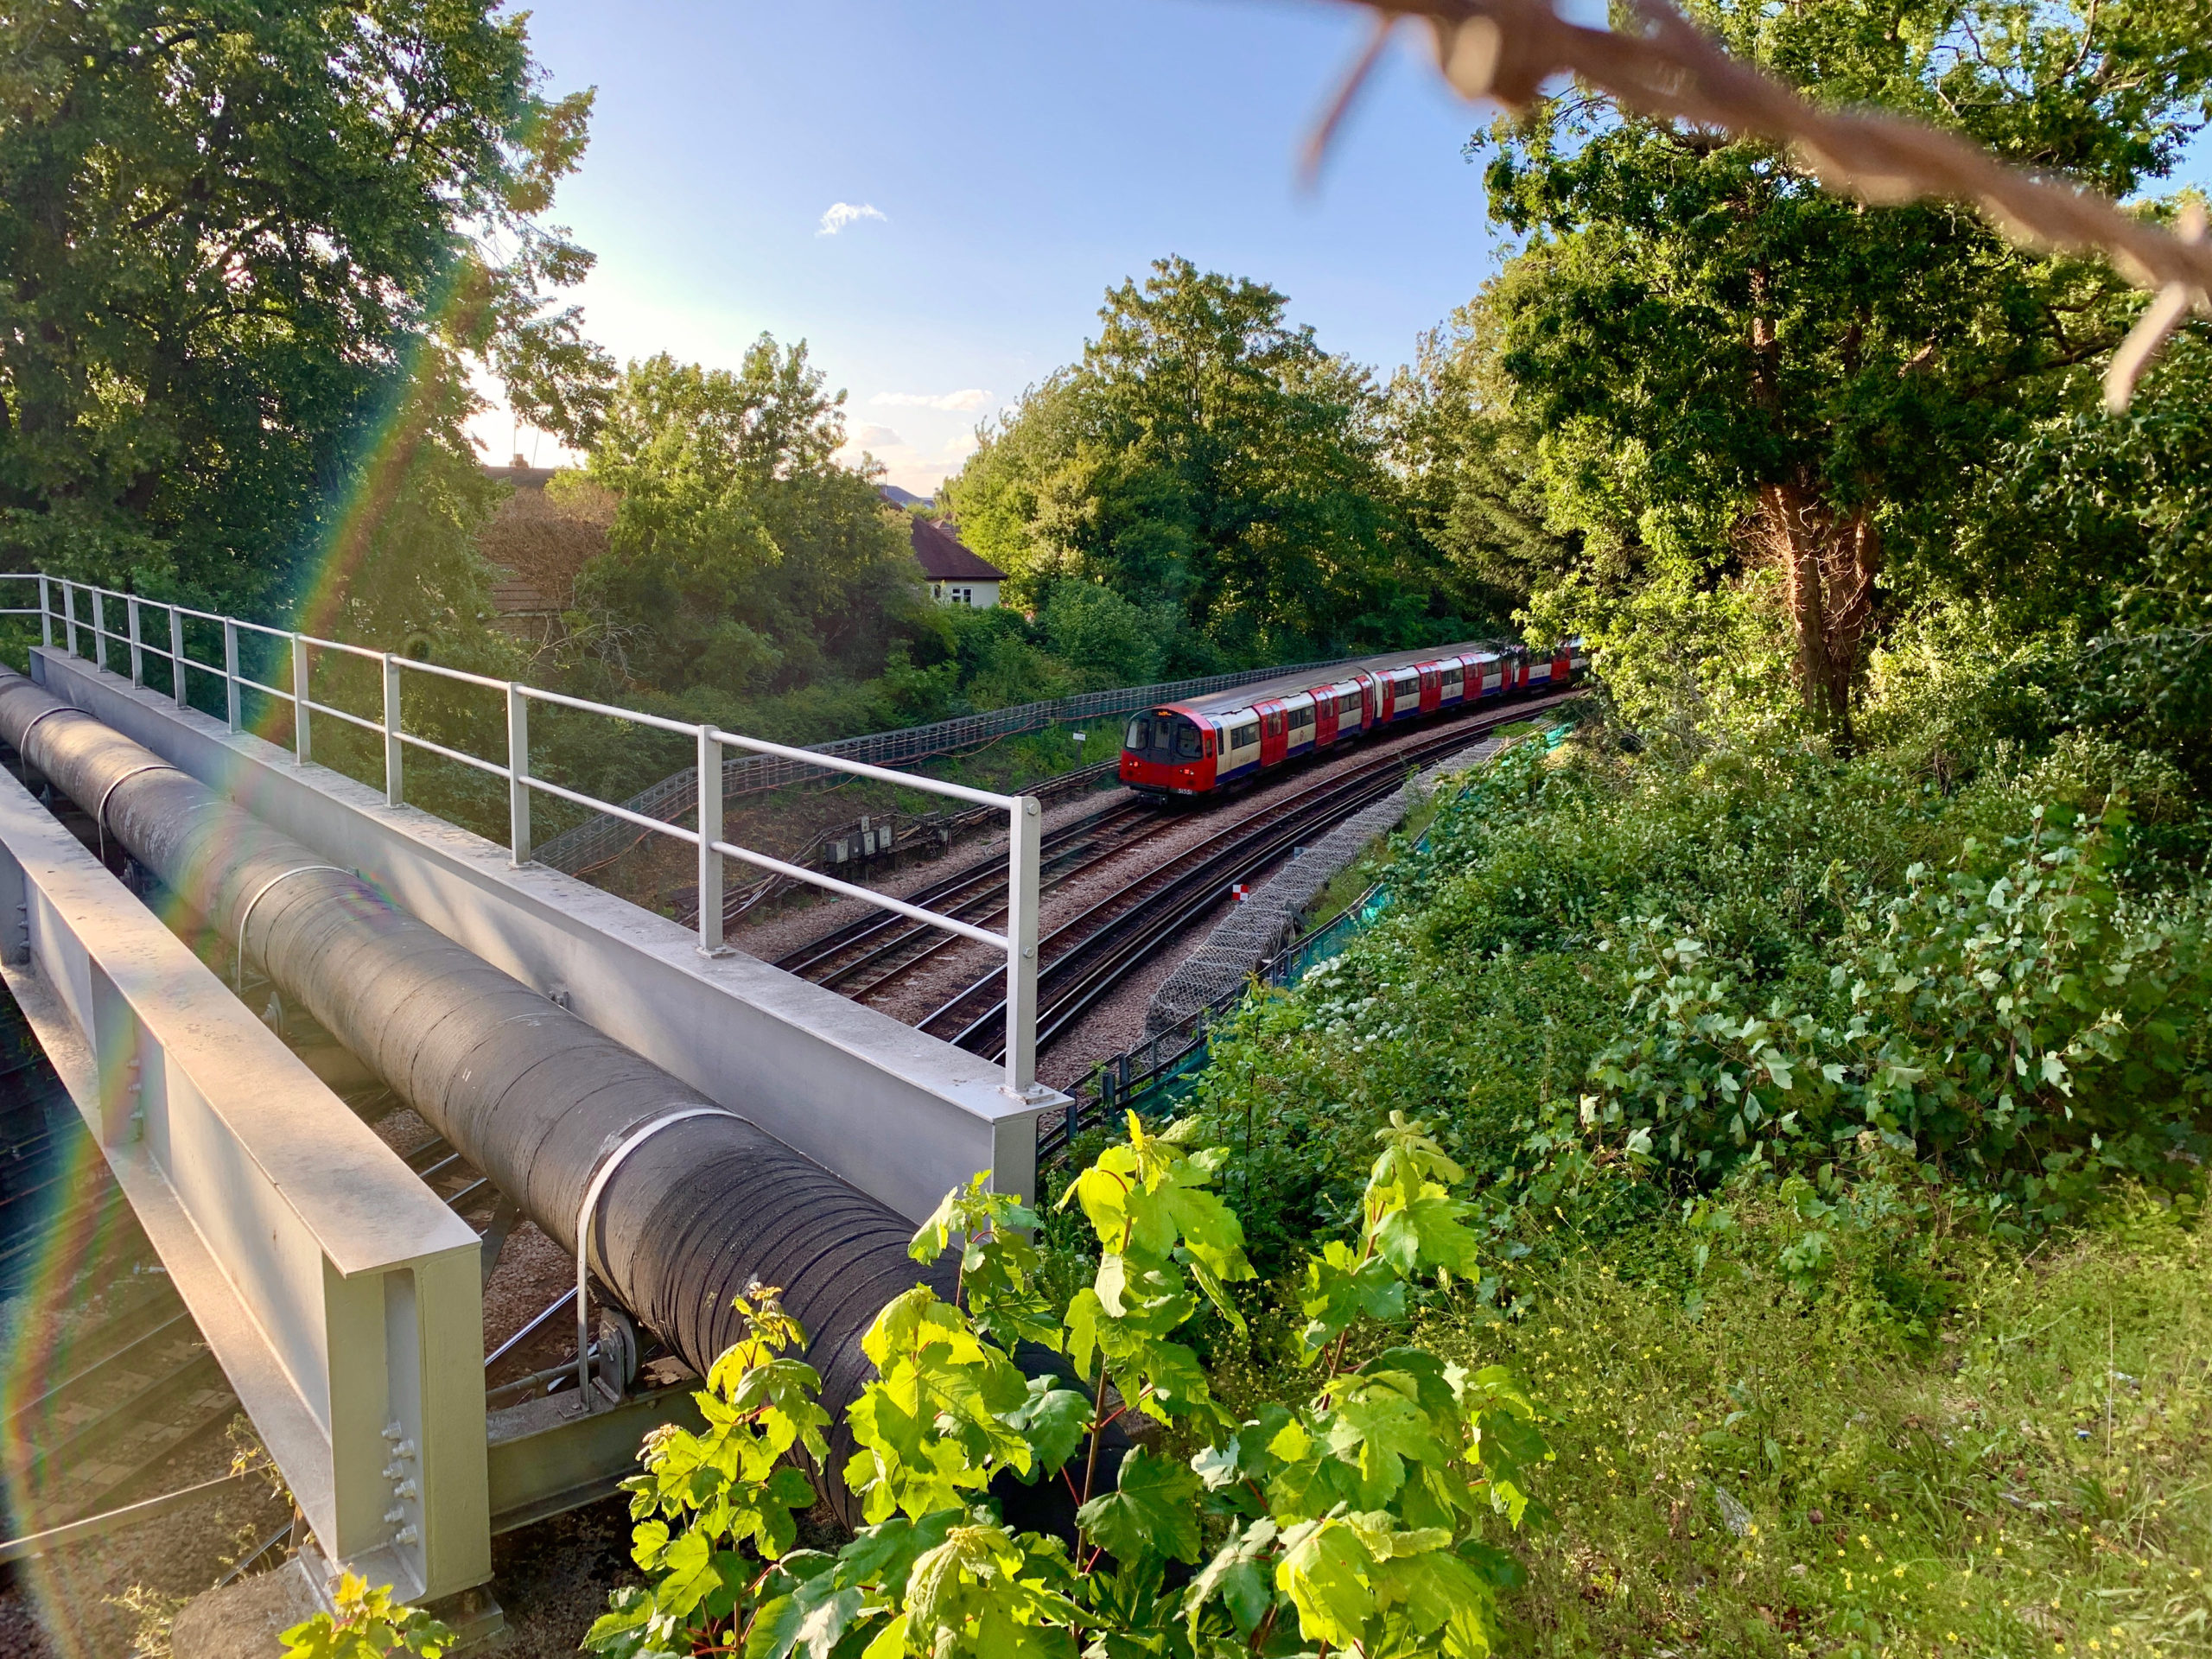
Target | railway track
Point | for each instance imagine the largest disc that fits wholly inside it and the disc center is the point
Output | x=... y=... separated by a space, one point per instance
x=1085 y=957
x=867 y=957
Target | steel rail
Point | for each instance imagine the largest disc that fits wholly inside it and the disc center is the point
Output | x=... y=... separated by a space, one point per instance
x=985 y=878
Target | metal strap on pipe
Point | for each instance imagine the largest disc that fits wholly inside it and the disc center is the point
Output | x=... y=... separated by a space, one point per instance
x=99 y=818
x=32 y=727
x=246 y=915
x=601 y=1176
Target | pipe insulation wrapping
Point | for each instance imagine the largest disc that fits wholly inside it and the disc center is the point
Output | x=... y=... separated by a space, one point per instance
x=526 y=1091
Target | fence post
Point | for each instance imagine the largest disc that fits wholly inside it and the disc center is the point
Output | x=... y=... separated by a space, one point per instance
x=393 y=747
x=176 y=655
x=137 y=645
x=45 y=615
x=1024 y=848
x=710 y=831
x=300 y=748
x=517 y=774
x=99 y=629
x=69 y=614
x=231 y=672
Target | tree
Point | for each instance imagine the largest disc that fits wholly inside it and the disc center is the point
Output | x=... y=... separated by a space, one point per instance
x=1474 y=487
x=1208 y=455
x=249 y=254
x=1730 y=366
x=741 y=556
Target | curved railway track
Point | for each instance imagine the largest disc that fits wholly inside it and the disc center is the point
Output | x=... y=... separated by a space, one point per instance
x=868 y=956
x=1085 y=957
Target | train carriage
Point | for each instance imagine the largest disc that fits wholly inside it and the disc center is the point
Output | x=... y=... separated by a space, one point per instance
x=1199 y=745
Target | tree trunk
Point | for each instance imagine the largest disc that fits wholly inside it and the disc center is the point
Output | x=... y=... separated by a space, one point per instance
x=1829 y=560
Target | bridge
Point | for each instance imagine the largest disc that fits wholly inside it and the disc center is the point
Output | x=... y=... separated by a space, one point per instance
x=679 y=1116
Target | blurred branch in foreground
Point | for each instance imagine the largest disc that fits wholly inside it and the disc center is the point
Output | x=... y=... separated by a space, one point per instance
x=1506 y=49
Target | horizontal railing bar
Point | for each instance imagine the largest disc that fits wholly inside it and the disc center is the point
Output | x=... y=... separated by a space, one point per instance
x=537 y=695
x=452 y=674
x=340 y=644
x=450 y=755
x=376 y=726
x=862 y=769
x=661 y=825
x=868 y=896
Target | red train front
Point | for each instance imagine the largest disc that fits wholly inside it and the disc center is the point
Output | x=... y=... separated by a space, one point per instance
x=1166 y=751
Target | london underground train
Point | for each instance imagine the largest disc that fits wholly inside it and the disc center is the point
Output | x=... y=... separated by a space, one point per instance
x=1208 y=743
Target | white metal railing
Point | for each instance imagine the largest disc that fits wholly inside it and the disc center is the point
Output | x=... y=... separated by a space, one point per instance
x=84 y=610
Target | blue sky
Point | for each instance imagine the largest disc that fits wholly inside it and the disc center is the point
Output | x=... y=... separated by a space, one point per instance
x=1024 y=158
x=1019 y=160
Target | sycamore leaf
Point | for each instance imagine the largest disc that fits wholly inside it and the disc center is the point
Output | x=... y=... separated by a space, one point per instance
x=1238 y=1575
x=1152 y=1510
x=1054 y=1420
x=1324 y=1574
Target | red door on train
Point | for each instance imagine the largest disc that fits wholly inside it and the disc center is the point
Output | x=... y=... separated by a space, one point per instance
x=1275 y=733
x=1324 y=716
x=1432 y=687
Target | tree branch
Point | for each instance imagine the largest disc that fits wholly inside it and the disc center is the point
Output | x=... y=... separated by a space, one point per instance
x=1504 y=50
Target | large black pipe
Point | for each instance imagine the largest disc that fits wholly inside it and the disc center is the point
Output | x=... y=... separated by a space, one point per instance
x=523 y=1089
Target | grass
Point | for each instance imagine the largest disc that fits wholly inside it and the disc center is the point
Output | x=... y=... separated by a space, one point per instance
x=2018 y=1468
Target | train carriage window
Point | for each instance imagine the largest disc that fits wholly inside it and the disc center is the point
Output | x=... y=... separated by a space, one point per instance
x=1140 y=733
x=1186 y=739
x=1302 y=716
x=1349 y=704
x=1245 y=736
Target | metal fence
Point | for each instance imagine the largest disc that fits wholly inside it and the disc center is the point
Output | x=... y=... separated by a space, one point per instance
x=597 y=840
x=1159 y=1070
x=84 y=614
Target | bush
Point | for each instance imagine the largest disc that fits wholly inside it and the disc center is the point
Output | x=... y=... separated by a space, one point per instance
x=1355 y=1516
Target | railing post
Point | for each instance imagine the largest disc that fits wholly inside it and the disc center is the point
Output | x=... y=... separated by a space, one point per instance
x=1024 y=850
x=517 y=774
x=710 y=831
x=99 y=629
x=138 y=644
x=45 y=615
x=302 y=751
x=231 y=672
x=176 y=657
x=69 y=615
x=393 y=749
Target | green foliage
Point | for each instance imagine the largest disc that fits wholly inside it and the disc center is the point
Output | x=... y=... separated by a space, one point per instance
x=367 y=1626
x=742 y=557
x=1625 y=980
x=251 y=254
x=2006 y=1019
x=1724 y=360
x=1354 y=1520
x=1207 y=457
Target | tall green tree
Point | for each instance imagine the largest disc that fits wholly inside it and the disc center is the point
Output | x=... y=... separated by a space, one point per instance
x=743 y=557
x=1206 y=454
x=251 y=254
x=1730 y=366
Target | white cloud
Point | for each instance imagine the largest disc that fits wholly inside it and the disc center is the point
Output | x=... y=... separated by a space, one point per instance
x=876 y=437
x=972 y=397
x=843 y=214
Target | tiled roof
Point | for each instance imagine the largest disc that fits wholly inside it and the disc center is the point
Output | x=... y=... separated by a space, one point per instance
x=943 y=559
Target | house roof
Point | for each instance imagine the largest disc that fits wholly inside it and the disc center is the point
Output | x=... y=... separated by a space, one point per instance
x=943 y=559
